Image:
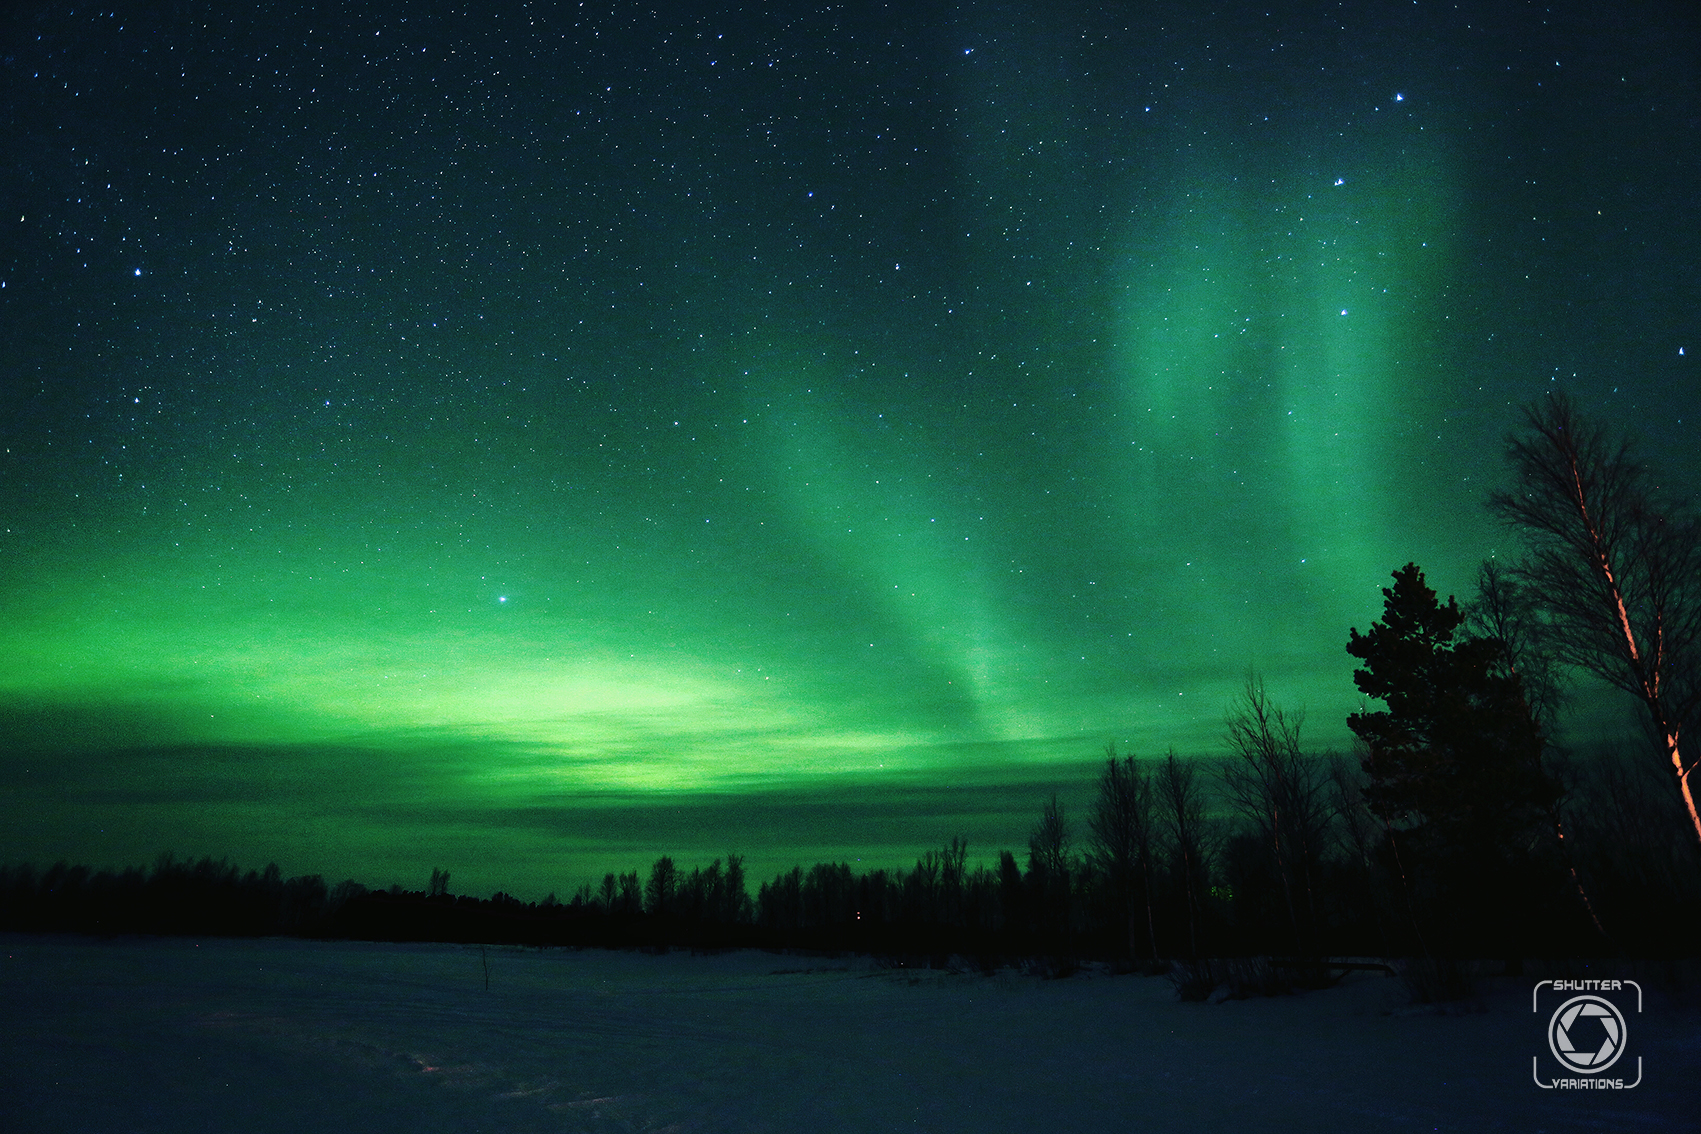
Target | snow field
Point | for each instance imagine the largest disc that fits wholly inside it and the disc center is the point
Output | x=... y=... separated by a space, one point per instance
x=143 y=1035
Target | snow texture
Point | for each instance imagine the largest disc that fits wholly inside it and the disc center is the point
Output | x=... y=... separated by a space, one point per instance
x=142 y=1035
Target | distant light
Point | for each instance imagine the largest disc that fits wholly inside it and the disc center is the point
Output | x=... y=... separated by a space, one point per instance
x=1340 y=181
x=1343 y=311
x=138 y=271
x=502 y=598
x=1399 y=98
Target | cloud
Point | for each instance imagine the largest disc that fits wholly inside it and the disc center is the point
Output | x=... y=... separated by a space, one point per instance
x=115 y=781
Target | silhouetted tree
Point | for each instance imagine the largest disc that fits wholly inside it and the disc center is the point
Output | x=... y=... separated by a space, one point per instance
x=696 y=893
x=346 y=891
x=1122 y=826
x=1048 y=844
x=828 y=895
x=1362 y=834
x=1509 y=612
x=953 y=878
x=203 y=897
x=1615 y=564
x=1181 y=805
x=1455 y=760
x=1050 y=873
x=439 y=884
x=1013 y=899
x=921 y=890
x=980 y=911
x=1282 y=795
x=1458 y=740
x=734 y=898
x=1633 y=839
x=659 y=890
x=709 y=899
x=631 y=898
x=779 y=904
x=875 y=901
x=1506 y=611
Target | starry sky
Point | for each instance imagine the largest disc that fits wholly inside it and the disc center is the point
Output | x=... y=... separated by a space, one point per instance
x=531 y=438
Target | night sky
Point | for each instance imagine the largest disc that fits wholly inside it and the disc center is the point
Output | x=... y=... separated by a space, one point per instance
x=530 y=439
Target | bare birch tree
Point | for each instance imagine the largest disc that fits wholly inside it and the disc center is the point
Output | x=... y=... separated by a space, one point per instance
x=1050 y=868
x=1282 y=794
x=1616 y=567
x=1181 y=802
x=1122 y=825
x=1507 y=610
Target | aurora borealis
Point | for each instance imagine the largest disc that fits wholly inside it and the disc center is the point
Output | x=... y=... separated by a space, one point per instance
x=531 y=439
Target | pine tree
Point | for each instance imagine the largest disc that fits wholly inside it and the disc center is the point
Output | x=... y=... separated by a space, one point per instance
x=1455 y=760
x=1457 y=749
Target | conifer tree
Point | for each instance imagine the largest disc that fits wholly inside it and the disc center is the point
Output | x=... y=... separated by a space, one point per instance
x=1454 y=761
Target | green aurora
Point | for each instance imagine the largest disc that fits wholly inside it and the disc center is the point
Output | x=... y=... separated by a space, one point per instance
x=810 y=439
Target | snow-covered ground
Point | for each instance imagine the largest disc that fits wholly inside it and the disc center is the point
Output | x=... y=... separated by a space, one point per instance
x=139 y=1035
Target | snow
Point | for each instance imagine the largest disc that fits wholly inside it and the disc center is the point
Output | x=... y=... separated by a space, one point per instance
x=141 y=1035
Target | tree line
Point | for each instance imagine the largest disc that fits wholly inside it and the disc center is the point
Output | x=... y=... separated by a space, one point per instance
x=1459 y=826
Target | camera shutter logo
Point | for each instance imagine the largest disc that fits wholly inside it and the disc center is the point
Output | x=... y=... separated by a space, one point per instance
x=1587 y=1034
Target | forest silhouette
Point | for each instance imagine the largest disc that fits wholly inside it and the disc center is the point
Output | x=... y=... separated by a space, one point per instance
x=1458 y=828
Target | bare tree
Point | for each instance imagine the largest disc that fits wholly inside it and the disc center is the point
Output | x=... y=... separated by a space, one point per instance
x=1182 y=803
x=1049 y=866
x=1048 y=845
x=631 y=897
x=1626 y=835
x=953 y=873
x=1507 y=611
x=1282 y=794
x=1362 y=831
x=1616 y=567
x=1122 y=836
x=735 y=900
